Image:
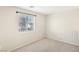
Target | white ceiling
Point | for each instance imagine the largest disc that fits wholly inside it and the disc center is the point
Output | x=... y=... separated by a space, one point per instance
x=49 y=9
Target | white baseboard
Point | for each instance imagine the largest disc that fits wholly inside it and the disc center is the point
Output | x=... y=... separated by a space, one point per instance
x=64 y=41
x=20 y=46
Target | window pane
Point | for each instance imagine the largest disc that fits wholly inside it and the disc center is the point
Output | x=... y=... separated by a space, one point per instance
x=26 y=23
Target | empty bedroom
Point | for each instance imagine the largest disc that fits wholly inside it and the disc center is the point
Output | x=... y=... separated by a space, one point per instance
x=39 y=29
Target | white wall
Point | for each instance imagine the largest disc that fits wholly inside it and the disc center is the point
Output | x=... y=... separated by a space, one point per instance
x=64 y=27
x=10 y=37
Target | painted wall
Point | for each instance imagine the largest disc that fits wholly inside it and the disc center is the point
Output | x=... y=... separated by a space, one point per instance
x=10 y=37
x=64 y=26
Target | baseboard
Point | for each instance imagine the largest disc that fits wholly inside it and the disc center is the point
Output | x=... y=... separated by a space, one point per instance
x=64 y=42
x=18 y=47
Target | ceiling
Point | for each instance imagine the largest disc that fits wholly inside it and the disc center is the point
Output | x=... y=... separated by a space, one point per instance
x=49 y=9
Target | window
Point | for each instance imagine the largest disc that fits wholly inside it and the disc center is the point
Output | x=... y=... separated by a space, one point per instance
x=26 y=22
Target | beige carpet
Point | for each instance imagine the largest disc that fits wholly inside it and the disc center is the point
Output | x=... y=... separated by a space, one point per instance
x=47 y=45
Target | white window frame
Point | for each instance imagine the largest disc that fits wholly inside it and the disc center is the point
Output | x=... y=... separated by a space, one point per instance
x=33 y=21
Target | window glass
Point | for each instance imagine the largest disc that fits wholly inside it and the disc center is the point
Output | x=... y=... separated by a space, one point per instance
x=26 y=22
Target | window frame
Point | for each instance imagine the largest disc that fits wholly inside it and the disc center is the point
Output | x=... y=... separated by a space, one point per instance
x=33 y=21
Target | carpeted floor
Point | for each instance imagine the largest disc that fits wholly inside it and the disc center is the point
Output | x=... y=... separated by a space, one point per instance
x=47 y=45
